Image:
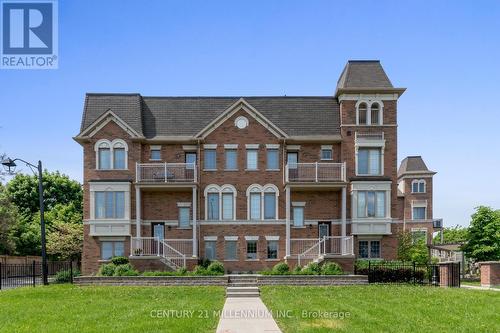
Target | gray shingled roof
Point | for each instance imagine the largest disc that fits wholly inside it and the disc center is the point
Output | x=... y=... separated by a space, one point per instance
x=186 y=116
x=125 y=106
x=363 y=74
x=413 y=164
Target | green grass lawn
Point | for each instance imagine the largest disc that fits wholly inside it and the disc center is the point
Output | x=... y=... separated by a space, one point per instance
x=385 y=308
x=68 y=308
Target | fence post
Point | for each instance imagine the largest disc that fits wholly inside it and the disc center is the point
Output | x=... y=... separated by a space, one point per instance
x=0 y=276
x=369 y=271
x=414 y=272
x=33 y=272
x=71 y=271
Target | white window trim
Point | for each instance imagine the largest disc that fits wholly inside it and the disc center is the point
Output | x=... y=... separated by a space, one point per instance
x=183 y=204
x=273 y=146
x=419 y=203
x=370 y=240
x=419 y=181
x=248 y=149
x=326 y=147
x=251 y=238
x=111 y=187
x=210 y=238
x=231 y=238
x=154 y=147
x=111 y=145
x=268 y=188
x=226 y=188
x=377 y=144
x=420 y=230
x=371 y=186
x=272 y=238
x=369 y=112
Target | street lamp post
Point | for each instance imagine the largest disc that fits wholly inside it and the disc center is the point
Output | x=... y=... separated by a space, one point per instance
x=10 y=166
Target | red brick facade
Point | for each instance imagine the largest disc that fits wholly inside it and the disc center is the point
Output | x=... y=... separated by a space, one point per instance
x=322 y=203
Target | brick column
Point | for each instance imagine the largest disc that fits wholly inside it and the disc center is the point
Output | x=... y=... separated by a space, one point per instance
x=343 y=218
x=449 y=274
x=490 y=273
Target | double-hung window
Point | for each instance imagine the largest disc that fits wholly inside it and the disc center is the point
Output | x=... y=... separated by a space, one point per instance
x=210 y=159
x=227 y=206
x=213 y=206
x=155 y=153
x=252 y=159
x=371 y=204
x=272 y=159
x=104 y=158
x=269 y=206
x=369 y=249
x=230 y=250
x=184 y=217
x=231 y=159
x=251 y=249
x=112 y=249
x=272 y=249
x=119 y=156
x=419 y=213
x=255 y=206
x=109 y=205
x=369 y=161
x=326 y=153
x=210 y=250
x=298 y=216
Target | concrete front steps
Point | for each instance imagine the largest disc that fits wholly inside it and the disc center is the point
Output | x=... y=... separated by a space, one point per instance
x=242 y=286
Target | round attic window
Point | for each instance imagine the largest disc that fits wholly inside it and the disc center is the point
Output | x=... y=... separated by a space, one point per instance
x=241 y=122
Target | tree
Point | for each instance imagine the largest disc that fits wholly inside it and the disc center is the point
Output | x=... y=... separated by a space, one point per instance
x=65 y=241
x=410 y=250
x=483 y=239
x=456 y=234
x=57 y=189
x=8 y=218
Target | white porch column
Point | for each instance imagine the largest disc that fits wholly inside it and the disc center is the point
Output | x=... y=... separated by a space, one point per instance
x=343 y=218
x=195 y=238
x=287 y=192
x=137 y=211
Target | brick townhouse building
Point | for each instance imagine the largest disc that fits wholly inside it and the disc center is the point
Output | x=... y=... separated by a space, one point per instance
x=250 y=181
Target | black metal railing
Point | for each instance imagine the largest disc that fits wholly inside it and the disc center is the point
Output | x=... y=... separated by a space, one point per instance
x=407 y=273
x=18 y=275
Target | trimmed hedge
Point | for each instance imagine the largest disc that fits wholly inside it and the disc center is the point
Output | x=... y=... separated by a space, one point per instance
x=311 y=269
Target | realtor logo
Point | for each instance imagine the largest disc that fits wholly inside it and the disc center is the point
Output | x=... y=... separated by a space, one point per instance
x=29 y=34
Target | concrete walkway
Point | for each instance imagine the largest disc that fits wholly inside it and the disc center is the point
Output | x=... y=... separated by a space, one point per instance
x=478 y=288
x=246 y=314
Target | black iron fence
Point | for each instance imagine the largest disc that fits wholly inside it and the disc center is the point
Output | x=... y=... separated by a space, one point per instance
x=18 y=275
x=407 y=273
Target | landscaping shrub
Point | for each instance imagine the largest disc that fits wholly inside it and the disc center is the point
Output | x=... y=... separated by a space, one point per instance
x=216 y=268
x=125 y=270
x=65 y=276
x=200 y=270
x=281 y=268
x=119 y=260
x=181 y=271
x=314 y=267
x=204 y=262
x=297 y=270
x=331 y=268
x=107 y=270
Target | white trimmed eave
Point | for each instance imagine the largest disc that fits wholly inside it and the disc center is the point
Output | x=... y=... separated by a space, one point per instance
x=102 y=121
x=241 y=104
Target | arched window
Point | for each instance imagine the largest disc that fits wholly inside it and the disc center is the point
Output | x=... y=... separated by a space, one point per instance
x=362 y=113
x=418 y=186
x=375 y=114
x=220 y=202
x=262 y=202
x=111 y=154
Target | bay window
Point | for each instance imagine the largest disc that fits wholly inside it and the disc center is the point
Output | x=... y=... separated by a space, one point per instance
x=371 y=203
x=109 y=204
x=369 y=161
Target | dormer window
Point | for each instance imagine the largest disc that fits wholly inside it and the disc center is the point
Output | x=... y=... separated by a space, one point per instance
x=418 y=186
x=111 y=154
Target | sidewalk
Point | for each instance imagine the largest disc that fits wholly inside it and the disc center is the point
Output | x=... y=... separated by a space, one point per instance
x=246 y=314
x=478 y=288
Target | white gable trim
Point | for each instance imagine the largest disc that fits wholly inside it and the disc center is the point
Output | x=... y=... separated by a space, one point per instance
x=103 y=120
x=241 y=104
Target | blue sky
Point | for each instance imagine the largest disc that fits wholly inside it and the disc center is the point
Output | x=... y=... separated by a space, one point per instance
x=445 y=52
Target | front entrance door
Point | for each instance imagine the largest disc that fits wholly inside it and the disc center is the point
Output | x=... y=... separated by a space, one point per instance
x=157 y=231
x=324 y=231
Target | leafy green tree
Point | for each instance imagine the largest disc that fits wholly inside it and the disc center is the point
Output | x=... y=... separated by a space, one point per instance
x=483 y=240
x=65 y=241
x=405 y=245
x=456 y=234
x=410 y=250
x=57 y=189
x=8 y=218
x=27 y=238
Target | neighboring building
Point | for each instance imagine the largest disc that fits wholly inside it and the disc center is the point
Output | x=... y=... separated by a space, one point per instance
x=250 y=181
